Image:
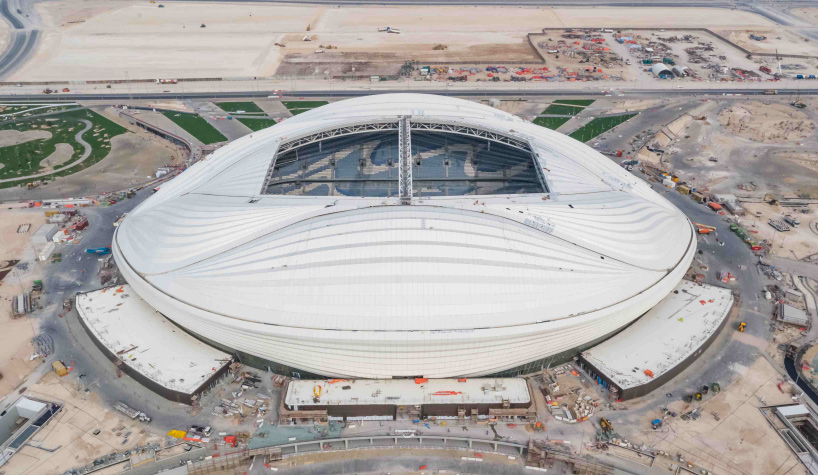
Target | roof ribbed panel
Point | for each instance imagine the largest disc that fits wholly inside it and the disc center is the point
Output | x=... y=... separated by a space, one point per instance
x=451 y=285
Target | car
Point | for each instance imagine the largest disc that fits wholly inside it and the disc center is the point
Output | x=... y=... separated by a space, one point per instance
x=680 y=87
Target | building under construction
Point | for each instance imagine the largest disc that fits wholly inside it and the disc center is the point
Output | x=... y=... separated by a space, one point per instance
x=147 y=346
x=658 y=346
x=488 y=399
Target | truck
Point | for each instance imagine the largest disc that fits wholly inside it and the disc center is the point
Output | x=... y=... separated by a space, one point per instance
x=59 y=368
x=765 y=69
x=167 y=81
x=100 y=251
x=131 y=412
x=792 y=221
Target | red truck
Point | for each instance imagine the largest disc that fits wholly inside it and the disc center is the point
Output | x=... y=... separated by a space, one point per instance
x=765 y=69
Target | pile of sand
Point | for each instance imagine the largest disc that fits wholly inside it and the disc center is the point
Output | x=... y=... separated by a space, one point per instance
x=16 y=137
x=771 y=123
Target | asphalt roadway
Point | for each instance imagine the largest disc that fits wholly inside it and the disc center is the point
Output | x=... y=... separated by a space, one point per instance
x=441 y=92
x=24 y=34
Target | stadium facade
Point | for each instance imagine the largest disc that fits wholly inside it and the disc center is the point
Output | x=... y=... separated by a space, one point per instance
x=404 y=235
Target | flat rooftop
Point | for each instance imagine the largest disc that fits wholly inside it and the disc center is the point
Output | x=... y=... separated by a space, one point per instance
x=664 y=337
x=407 y=392
x=147 y=341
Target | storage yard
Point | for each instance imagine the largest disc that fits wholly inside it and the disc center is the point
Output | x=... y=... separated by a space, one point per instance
x=348 y=38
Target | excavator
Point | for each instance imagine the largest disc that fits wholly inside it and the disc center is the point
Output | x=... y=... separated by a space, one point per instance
x=742 y=326
x=798 y=103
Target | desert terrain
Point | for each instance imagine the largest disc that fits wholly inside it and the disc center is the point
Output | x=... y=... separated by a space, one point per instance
x=89 y=40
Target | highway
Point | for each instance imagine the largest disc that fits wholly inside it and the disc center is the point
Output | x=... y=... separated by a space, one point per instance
x=23 y=37
x=367 y=92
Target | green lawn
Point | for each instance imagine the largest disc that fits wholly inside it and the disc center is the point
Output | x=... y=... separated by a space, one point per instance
x=563 y=109
x=24 y=159
x=598 y=126
x=553 y=123
x=575 y=102
x=196 y=126
x=297 y=107
x=234 y=107
x=257 y=124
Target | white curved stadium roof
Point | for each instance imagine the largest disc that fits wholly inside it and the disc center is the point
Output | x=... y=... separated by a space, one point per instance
x=342 y=285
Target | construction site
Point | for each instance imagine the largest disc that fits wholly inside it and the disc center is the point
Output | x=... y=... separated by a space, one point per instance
x=696 y=120
x=605 y=411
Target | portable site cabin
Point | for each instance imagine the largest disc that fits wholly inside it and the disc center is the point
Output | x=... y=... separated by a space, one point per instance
x=44 y=234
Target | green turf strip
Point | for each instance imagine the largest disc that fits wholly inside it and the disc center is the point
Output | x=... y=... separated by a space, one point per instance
x=235 y=107
x=196 y=126
x=257 y=124
x=575 y=102
x=558 y=109
x=553 y=123
x=598 y=126
x=303 y=104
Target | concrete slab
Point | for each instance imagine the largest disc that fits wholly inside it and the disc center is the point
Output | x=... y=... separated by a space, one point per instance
x=148 y=342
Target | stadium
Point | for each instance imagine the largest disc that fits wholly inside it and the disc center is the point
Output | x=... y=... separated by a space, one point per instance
x=403 y=235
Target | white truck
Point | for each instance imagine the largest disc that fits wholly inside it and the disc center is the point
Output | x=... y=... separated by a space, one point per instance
x=131 y=412
x=792 y=221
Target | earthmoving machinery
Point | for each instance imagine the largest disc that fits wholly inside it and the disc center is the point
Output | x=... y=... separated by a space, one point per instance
x=798 y=103
x=742 y=326
x=605 y=424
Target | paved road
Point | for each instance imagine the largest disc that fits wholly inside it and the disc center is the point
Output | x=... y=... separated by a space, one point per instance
x=24 y=34
x=85 y=155
x=508 y=92
x=790 y=266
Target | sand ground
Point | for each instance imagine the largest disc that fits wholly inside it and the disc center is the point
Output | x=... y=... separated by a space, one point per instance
x=16 y=333
x=98 y=39
x=72 y=432
x=768 y=123
x=809 y=14
x=61 y=154
x=16 y=137
x=741 y=441
x=761 y=147
x=777 y=39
